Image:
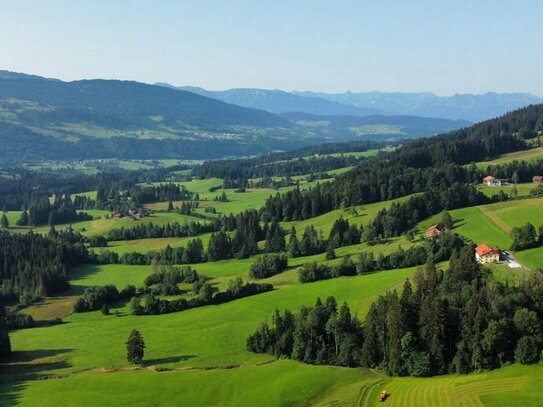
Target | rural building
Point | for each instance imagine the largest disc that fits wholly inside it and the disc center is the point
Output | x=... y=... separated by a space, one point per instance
x=485 y=254
x=491 y=181
x=538 y=179
x=435 y=230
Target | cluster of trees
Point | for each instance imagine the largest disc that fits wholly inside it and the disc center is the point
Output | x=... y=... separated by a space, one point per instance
x=204 y=294
x=159 y=193
x=236 y=172
x=41 y=211
x=243 y=243
x=32 y=266
x=192 y=253
x=268 y=265
x=319 y=335
x=525 y=237
x=18 y=320
x=343 y=234
x=434 y=250
x=165 y=279
x=318 y=271
x=457 y=321
x=151 y=231
x=95 y=298
x=311 y=243
x=126 y=194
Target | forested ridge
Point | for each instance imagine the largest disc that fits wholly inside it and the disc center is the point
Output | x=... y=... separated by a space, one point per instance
x=416 y=167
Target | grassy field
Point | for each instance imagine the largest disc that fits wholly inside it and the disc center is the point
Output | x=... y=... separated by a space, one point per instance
x=509 y=387
x=522 y=189
x=492 y=224
x=357 y=215
x=212 y=336
x=198 y=356
x=526 y=155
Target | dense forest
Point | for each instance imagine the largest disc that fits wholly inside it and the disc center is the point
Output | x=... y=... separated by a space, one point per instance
x=454 y=321
x=32 y=266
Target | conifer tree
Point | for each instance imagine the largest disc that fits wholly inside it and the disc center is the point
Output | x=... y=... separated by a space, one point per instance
x=293 y=245
x=135 y=347
x=5 y=345
x=330 y=252
x=24 y=220
x=4 y=222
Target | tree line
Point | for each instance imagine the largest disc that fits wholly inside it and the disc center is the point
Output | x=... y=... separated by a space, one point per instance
x=32 y=266
x=455 y=321
x=204 y=294
x=433 y=250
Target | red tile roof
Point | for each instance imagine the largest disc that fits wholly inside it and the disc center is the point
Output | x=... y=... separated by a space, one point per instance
x=537 y=178
x=489 y=178
x=484 y=249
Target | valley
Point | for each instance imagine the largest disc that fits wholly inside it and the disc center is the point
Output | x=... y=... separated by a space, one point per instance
x=80 y=355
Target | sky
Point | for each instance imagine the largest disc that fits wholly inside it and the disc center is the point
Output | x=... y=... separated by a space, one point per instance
x=443 y=46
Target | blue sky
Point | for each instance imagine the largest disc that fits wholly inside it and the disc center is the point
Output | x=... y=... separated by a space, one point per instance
x=443 y=46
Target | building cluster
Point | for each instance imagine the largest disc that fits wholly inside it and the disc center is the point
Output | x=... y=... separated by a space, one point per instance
x=491 y=181
x=134 y=214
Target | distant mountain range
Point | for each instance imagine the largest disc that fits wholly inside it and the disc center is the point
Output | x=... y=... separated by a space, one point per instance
x=42 y=118
x=474 y=108
x=278 y=101
x=468 y=107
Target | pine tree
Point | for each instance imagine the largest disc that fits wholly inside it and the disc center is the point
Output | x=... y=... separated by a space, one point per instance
x=24 y=220
x=275 y=239
x=135 y=347
x=293 y=245
x=4 y=222
x=395 y=332
x=330 y=252
x=170 y=205
x=5 y=345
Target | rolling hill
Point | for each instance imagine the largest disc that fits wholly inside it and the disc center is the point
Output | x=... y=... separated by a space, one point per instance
x=48 y=119
x=374 y=126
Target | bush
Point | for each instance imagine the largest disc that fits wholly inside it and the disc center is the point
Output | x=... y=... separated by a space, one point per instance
x=268 y=265
x=527 y=351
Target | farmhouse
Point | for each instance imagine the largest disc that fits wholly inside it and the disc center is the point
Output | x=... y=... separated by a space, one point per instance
x=435 y=230
x=485 y=254
x=537 y=179
x=491 y=181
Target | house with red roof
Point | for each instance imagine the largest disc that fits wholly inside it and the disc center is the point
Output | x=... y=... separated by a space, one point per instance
x=537 y=179
x=485 y=254
x=491 y=181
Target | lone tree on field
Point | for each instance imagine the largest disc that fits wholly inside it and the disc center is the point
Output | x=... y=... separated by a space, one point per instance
x=135 y=347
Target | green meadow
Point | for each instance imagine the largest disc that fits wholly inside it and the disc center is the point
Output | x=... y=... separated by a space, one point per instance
x=525 y=155
x=198 y=356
